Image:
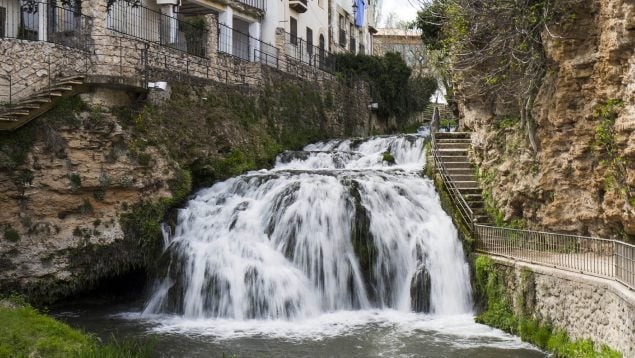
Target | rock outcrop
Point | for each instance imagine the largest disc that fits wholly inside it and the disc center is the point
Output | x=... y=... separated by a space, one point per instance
x=581 y=178
x=84 y=188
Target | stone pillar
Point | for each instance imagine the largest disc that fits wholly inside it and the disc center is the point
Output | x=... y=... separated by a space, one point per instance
x=280 y=44
x=42 y=12
x=212 y=35
x=254 y=46
x=226 y=34
x=168 y=32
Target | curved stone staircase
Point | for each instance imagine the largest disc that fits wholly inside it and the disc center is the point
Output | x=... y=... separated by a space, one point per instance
x=452 y=149
x=30 y=107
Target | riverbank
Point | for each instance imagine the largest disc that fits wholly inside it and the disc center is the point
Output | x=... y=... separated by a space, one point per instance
x=27 y=332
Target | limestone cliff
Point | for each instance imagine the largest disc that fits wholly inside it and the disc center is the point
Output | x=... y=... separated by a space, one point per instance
x=581 y=178
x=84 y=188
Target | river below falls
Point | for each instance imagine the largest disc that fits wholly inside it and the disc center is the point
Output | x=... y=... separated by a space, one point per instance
x=372 y=333
x=340 y=250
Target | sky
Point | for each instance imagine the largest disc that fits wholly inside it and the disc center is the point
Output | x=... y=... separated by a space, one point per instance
x=403 y=9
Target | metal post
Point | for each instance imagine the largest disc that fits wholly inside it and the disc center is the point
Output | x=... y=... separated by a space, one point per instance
x=120 y=59
x=615 y=259
x=49 y=72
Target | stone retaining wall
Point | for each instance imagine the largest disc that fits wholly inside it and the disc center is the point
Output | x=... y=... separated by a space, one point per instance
x=585 y=306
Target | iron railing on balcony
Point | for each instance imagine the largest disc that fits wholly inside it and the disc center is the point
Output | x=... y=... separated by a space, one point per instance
x=300 y=50
x=42 y=21
x=242 y=45
x=184 y=34
x=258 y=4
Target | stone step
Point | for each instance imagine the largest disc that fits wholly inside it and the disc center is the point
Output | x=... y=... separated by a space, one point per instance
x=26 y=106
x=472 y=190
x=8 y=119
x=462 y=177
x=452 y=152
x=457 y=165
x=71 y=78
x=460 y=171
x=473 y=197
x=16 y=112
x=71 y=82
x=475 y=204
x=46 y=94
x=453 y=145
x=452 y=135
x=35 y=100
x=465 y=184
x=482 y=219
x=453 y=141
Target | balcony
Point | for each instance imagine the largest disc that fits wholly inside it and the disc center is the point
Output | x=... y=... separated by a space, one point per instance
x=257 y=4
x=299 y=6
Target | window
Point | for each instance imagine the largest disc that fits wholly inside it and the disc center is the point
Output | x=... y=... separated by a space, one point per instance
x=294 y=30
x=352 y=41
x=3 y=21
x=309 y=40
x=342 y=27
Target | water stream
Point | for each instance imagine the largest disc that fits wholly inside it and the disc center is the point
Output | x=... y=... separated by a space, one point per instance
x=336 y=251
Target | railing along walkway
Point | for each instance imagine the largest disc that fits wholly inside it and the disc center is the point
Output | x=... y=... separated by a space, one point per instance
x=611 y=259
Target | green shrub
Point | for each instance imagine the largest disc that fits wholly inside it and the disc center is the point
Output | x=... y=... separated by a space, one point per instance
x=10 y=234
x=76 y=181
x=388 y=158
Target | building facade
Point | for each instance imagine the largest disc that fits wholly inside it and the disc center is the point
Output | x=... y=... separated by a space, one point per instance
x=407 y=43
x=351 y=24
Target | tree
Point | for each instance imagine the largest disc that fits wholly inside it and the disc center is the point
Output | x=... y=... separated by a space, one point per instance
x=494 y=47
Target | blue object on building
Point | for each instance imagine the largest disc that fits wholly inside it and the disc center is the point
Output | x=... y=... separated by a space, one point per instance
x=361 y=11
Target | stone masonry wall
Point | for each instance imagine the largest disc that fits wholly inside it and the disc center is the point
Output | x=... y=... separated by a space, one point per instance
x=584 y=306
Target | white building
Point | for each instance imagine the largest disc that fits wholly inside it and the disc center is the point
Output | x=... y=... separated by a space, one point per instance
x=352 y=26
x=304 y=23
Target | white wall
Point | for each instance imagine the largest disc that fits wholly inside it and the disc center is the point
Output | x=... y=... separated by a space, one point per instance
x=278 y=15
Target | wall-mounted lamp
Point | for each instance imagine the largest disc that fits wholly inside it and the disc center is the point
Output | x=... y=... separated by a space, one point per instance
x=158 y=85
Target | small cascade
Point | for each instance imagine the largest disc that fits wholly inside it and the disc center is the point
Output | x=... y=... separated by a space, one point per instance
x=330 y=228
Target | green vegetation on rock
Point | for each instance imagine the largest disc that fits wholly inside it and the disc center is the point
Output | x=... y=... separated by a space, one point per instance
x=388 y=158
x=499 y=313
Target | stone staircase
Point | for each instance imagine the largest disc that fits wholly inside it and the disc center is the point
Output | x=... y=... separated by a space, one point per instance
x=452 y=149
x=26 y=109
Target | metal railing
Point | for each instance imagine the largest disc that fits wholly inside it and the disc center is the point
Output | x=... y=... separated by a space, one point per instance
x=465 y=212
x=42 y=21
x=258 y=4
x=187 y=35
x=244 y=46
x=300 y=50
x=611 y=259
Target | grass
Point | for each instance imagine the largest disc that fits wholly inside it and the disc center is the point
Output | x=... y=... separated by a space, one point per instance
x=25 y=332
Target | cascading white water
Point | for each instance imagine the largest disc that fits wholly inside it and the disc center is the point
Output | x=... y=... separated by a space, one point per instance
x=333 y=227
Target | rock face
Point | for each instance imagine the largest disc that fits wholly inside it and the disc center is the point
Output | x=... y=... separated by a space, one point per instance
x=581 y=179
x=84 y=188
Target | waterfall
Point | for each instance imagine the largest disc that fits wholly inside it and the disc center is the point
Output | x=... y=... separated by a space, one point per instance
x=333 y=227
